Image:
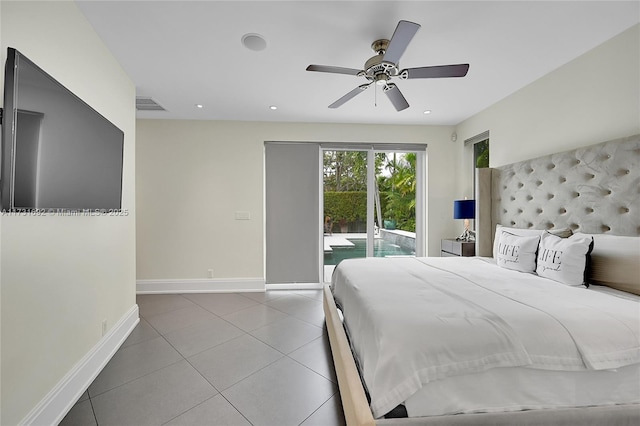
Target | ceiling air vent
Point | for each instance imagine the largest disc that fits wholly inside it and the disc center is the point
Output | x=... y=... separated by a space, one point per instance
x=148 y=104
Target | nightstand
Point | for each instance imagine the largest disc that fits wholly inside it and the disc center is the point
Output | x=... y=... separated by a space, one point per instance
x=451 y=247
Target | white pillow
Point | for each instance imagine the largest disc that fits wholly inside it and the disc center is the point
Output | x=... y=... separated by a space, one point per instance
x=564 y=259
x=517 y=253
x=562 y=232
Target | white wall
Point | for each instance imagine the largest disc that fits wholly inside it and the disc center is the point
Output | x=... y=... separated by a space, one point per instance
x=592 y=99
x=193 y=175
x=61 y=276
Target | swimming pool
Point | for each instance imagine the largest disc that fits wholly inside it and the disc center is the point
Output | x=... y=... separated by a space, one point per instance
x=381 y=248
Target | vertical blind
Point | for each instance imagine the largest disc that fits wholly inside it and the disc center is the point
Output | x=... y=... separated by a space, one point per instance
x=292 y=185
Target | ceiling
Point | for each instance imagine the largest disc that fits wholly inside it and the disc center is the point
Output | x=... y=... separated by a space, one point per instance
x=183 y=53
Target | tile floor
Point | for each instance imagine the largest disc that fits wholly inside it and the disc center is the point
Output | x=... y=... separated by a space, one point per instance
x=219 y=359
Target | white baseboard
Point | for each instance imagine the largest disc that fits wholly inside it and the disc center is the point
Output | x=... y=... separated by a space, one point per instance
x=52 y=409
x=223 y=285
x=295 y=286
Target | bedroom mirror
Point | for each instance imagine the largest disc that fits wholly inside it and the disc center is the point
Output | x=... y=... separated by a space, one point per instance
x=369 y=203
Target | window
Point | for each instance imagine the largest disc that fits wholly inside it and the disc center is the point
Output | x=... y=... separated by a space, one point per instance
x=480 y=153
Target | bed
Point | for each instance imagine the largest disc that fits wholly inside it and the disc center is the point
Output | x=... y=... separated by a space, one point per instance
x=488 y=340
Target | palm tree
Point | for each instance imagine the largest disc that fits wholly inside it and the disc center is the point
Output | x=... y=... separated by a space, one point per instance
x=401 y=199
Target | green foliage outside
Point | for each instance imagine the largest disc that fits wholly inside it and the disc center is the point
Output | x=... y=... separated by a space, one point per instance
x=348 y=206
x=481 y=154
x=400 y=189
x=345 y=183
x=347 y=170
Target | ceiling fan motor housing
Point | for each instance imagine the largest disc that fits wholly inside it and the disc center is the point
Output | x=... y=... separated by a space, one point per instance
x=376 y=68
x=376 y=65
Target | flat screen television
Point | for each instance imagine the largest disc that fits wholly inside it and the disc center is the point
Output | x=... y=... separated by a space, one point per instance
x=58 y=153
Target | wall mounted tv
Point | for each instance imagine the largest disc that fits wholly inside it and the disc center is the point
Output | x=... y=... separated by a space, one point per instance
x=58 y=153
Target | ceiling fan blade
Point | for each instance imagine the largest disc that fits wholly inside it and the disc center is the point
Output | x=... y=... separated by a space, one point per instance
x=395 y=96
x=352 y=94
x=400 y=40
x=335 y=70
x=438 y=71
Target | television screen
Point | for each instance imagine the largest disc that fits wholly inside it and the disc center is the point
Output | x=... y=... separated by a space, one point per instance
x=58 y=153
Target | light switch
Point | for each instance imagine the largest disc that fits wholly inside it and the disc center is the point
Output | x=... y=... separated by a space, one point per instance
x=243 y=215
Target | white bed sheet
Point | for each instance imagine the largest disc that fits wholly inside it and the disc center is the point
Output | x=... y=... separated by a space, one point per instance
x=573 y=330
x=521 y=388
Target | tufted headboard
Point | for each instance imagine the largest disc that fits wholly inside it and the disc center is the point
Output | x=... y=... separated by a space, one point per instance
x=594 y=190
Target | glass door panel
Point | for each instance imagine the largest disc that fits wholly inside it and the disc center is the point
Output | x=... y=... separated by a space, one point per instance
x=396 y=182
x=369 y=202
x=344 y=207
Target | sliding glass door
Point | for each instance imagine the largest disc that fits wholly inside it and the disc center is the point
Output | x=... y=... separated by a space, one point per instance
x=344 y=206
x=371 y=202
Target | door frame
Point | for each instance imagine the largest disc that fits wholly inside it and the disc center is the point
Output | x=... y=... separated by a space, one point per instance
x=372 y=149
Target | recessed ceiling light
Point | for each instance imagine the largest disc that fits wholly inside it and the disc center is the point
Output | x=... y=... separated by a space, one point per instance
x=427 y=111
x=273 y=107
x=199 y=106
x=254 y=42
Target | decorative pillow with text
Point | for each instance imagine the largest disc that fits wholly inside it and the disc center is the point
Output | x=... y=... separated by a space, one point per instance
x=516 y=252
x=564 y=259
x=561 y=232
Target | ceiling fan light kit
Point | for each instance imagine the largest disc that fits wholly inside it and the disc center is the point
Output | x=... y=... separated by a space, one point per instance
x=382 y=67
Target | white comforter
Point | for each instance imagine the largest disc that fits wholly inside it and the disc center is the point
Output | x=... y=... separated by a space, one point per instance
x=415 y=320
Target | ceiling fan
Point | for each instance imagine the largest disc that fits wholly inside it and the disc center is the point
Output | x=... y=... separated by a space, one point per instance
x=382 y=67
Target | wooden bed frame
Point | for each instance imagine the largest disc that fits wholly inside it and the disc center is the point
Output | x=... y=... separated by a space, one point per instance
x=354 y=401
x=624 y=153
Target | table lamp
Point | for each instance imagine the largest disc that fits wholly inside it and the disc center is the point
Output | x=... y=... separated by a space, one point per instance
x=464 y=209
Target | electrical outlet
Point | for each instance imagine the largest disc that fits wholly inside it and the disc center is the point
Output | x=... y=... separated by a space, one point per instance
x=210 y=272
x=104 y=326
